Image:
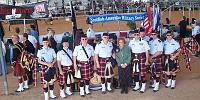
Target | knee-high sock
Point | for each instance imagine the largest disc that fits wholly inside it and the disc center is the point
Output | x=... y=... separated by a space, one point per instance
x=102 y=80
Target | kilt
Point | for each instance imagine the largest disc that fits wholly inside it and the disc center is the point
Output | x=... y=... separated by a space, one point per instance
x=19 y=71
x=66 y=71
x=158 y=65
x=101 y=70
x=47 y=74
x=86 y=70
x=173 y=65
x=142 y=59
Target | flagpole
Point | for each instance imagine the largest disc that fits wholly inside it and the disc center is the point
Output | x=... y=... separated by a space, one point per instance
x=5 y=82
x=74 y=25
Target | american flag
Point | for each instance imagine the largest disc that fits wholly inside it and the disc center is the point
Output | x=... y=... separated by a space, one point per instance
x=39 y=8
x=148 y=20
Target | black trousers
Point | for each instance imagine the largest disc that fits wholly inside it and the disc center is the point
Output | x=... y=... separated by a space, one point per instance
x=124 y=77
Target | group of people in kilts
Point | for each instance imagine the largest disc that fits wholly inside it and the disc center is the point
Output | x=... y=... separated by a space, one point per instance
x=137 y=59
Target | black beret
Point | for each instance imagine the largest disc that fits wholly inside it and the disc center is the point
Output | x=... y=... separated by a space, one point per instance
x=142 y=29
x=136 y=31
x=83 y=35
x=154 y=31
x=105 y=34
x=65 y=40
x=45 y=39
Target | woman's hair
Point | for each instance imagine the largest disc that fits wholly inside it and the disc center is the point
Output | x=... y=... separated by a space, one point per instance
x=122 y=39
x=25 y=35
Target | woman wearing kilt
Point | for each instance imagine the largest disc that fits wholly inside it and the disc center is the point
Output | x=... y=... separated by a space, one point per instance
x=140 y=56
x=103 y=53
x=82 y=56
x=47 y=59
x=19 y=71
x=123 y=58
x=155 y=58
x=65 y=65
x=171 y=52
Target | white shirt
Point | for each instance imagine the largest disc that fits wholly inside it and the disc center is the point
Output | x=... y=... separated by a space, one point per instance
x=146 y=38
x=155 y=46
x=104 y=50
x=90 y=33
x=33 y=40
x=196 y=30
x=80 y=54
x=170 y=46
x=20 y=38
x=138 y=46
x=47 y=53
x=63 y=58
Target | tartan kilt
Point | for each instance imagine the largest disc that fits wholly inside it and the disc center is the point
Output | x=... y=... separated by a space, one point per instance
x=158 y=65
x=86 y=70
x=173 y=65
x=101 y=70
x=63 y=78
x=142 y=59
x=19 y=71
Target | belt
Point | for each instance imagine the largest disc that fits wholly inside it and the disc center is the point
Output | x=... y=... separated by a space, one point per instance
x=86 y=62
x=157 y=56
x=107 y=58
x=65 y=66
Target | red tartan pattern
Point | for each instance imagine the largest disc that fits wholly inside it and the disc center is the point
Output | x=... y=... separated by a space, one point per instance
x=142 y=59
x=86 y=70
x=158 y=65
x=19 y=71
x=101 y=70
x=193 y=45
x=42 y=74
x=35 y=72
x=63 y=78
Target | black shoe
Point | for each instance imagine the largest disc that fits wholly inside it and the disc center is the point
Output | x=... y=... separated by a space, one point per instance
x=126 y=90
x=122 y=91
x=82 y=95
x=103 y=92
x=30 y=82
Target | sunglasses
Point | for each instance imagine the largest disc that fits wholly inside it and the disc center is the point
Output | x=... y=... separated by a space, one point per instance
x=83 y=39
x=136 y=34
x=105 y=37
x=153 y=34
x=169 y=35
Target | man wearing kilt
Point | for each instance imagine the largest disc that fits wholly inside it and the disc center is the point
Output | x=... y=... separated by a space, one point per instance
x=47 y=59
x=140 y=56
x=65 y=65
x=29 y=48
x=171 y=52
x=19 y=71
x=103 y=53
x=155 y=58
x=82 y=56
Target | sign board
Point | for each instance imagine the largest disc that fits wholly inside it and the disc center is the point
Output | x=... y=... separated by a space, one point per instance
x=117 y=17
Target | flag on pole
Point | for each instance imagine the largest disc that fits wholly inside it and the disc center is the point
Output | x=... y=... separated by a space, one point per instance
x=74 y=25
x=147 y=24
x=156 y=18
